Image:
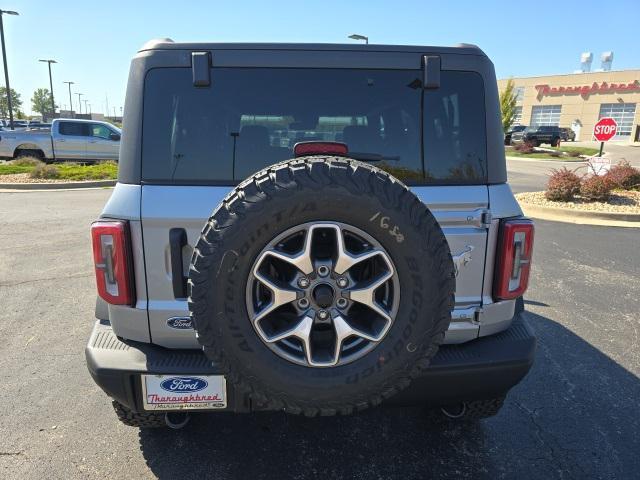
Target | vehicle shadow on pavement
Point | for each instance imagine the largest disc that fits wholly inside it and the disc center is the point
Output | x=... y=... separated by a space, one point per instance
x=575 y=415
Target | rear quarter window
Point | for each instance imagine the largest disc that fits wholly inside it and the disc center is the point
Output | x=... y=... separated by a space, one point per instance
x=454 y=126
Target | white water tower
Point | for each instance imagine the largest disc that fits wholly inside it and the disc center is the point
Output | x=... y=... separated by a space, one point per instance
x=585 y=62
x=606 y=60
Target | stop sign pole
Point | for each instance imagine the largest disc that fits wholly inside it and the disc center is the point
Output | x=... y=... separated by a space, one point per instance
x=605 y=130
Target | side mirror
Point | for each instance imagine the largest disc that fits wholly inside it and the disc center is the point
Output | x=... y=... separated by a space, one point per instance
x=115 y=137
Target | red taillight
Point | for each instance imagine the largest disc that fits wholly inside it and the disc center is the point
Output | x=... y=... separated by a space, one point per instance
x=112 y=261
x=515 y=247
x=301 y=149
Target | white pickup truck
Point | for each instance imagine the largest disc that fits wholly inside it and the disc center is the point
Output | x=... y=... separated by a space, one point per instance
x=67 y=139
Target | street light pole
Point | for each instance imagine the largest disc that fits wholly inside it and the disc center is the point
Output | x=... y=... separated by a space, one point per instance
x=86 y=110
x=80 y=102
x=70 y=100
x=53 y=103
x=6 y=71
x=356 y=36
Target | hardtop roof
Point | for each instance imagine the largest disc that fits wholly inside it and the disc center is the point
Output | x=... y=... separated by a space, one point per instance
x=168 y=44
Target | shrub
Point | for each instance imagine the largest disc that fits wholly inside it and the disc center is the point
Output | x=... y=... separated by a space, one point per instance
x=45 y=171
x=562 y=185
x=27 y=162
x=524 y=147
x=624 y=176
x=596 y=188
x=97 y=171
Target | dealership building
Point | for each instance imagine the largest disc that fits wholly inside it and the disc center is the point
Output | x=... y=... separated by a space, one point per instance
x=579 y=100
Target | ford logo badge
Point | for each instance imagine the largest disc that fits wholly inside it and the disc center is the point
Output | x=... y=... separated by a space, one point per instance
x=183 y=384
x=180 y=323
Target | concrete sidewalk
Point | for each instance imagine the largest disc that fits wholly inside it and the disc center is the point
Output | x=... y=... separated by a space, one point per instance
x=618 y=150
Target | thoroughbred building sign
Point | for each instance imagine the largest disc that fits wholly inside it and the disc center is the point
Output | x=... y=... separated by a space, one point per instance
x=586 y=90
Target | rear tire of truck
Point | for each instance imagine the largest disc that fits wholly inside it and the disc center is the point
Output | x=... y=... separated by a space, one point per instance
x=139 y=419
x=474 y=410
x=276 y=237
x=30 y=153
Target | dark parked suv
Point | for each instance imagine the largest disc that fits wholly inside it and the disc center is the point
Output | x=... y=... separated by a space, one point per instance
x=314 y=229
x=538 y=135
x=511 y=131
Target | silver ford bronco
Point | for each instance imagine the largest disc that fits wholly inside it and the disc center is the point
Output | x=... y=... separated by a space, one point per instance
x=310 y=228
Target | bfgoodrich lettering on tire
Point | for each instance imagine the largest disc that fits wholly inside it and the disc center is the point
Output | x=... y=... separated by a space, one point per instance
x=321 y=286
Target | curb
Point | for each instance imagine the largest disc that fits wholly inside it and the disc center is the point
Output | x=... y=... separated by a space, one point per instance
x=57 y=185
x=581 y=217
x=555 y=160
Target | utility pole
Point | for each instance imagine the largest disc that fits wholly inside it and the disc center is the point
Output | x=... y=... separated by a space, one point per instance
x=6 y=71
x=53 y=103
x=70 y=100
x=80 y=102
x=86 y=110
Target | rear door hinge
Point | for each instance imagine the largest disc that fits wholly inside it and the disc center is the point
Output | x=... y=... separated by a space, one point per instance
x=486 y=218
x=469 y=314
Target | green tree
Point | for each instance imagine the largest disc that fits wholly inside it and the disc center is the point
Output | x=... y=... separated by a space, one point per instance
x=16 y=103
x=41 y=101
x=508 y=105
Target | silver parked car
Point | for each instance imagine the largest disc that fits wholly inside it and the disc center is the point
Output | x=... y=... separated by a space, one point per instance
x=66 y=139
x=310 y=228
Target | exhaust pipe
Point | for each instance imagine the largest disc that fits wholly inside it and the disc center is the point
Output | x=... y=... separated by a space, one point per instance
x=455 y=411
x=176 y=420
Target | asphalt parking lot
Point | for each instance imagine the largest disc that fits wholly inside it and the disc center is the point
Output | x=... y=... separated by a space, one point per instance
x=574 y=416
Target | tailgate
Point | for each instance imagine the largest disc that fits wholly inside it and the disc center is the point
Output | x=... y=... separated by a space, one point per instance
x=462 y=212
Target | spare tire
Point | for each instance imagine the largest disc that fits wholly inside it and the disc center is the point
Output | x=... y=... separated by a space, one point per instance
x=321 y=286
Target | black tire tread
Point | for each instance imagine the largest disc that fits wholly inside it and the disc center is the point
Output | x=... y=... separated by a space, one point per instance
x=476 y=410
x=140 y=420
x=315 y=173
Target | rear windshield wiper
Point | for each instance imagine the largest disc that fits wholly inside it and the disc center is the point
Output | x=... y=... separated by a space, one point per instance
x=373 y=157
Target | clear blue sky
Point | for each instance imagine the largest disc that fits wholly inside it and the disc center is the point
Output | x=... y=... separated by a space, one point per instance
x=93 y=42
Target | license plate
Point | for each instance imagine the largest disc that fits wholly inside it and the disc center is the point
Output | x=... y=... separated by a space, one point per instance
x=184 y=392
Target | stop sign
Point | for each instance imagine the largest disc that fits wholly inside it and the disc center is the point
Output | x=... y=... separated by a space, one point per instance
x=605 y=129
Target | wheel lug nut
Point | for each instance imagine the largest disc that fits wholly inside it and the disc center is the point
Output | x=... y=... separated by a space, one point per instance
x=303 y=282
x=341 y=302
x=303 y=303
x=323 y=270
x=342 y=282
x=323 y=314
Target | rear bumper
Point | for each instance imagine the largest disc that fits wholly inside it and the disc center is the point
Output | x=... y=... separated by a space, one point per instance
x=481 y=369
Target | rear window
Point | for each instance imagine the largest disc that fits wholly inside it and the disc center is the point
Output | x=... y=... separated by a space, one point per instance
x=252 y=117
x=74 y=128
